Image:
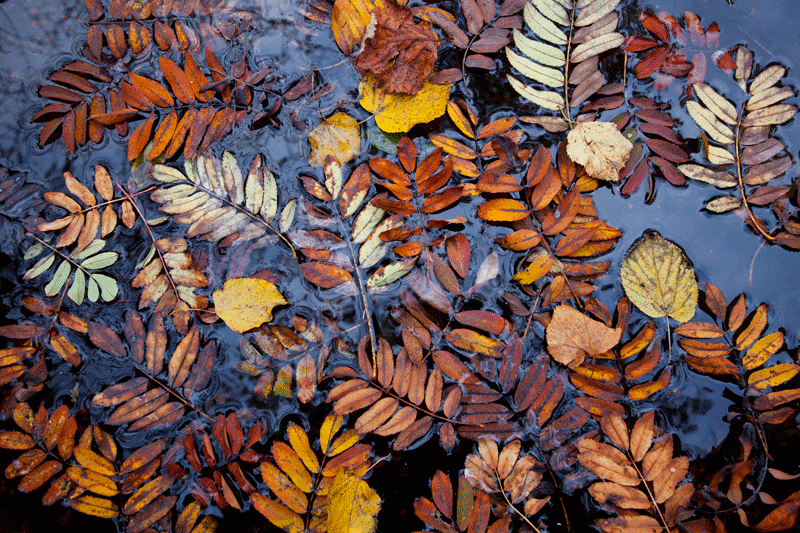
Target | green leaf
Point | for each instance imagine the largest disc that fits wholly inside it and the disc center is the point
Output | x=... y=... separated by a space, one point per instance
x=108 y=286
x=94 y=247
x=59 y=279
x=41 y=266
x=100 y=261
x=93 y=292
x=78 y=289
x=385 y=142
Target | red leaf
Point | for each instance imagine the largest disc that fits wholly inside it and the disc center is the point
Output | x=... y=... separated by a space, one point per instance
x=654 y=26
x=651 y=62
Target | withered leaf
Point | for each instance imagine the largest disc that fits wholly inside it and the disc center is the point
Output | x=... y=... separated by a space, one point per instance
x=572 y=336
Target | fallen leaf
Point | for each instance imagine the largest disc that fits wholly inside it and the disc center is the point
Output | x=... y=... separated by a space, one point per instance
x=600 y=148
x=339 y=136
x=246 y=303
x=572 y=336
x=400 y=52
x=659 y=279
x=398 y=113
x=353 y=505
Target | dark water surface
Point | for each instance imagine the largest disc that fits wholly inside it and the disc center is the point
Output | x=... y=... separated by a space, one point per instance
x=38 y=37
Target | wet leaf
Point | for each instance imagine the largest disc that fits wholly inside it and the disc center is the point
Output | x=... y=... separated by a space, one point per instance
x=246 y=303
x=353 y=505
x=399 y=112
x=572 y=336
x=659 y=279
x=337 y=136
x=600 y=148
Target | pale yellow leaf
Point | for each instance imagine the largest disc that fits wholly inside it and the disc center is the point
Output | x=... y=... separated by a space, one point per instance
x=600 y=148
x=339 y=136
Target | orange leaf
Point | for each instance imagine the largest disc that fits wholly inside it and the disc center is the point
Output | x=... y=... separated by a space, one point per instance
x=502 y=210
x=571 y=336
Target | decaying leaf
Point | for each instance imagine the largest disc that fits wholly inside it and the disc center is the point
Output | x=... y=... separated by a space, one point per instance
x=659 y=279
x=246 y=303
x=573 y=336
x=398 y=113
x=338 y=136
x=600 y=148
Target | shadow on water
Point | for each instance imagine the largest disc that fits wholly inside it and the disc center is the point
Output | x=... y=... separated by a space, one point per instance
x=38 y=37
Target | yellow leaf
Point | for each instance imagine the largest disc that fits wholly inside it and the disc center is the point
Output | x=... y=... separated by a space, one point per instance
x=339 y=136
x=353 y=505
x=659 y=279
x=246 y=303
x=398 y=113
x=600 y=148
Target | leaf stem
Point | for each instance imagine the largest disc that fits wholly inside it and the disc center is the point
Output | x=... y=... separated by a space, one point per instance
x=508 y=502
x=741 y=183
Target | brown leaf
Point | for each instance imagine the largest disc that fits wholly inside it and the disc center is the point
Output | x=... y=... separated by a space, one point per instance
x=401 y=52
x=572 y=336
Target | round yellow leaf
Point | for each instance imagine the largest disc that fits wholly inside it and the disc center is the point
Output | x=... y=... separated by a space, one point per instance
x=398 y=113
x=659 y=279
x=339 y=135
x=246 y=303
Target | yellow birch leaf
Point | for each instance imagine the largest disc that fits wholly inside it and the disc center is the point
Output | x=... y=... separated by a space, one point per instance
x=398 y=113
x=246 y=303
x=339 y=136
x=353 y=505
x=659 y=279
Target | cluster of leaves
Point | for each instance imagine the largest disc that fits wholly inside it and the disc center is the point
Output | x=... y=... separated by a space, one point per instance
x=547 y=395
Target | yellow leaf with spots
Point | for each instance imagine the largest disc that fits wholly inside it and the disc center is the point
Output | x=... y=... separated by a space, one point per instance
x=246 y=303
x=398 y=113
x=339 y=136
x=353 y=505
x=659 y=279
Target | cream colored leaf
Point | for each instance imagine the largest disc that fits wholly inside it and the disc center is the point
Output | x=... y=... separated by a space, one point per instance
x=722 y=108
x=720 y=156
x=708 y=121
x=543 y=27
x=766 y=79
x=246 y=303
x=600 y=148
x=596 y=46
x=353 y=505
x=547 y=99
x=339 y=136
x=723 y=180
x=545 y=75
x=545 y=54
x=659 y=279
x=594 y=10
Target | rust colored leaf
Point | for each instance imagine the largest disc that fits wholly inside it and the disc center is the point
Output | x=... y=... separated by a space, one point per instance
x=572 y=336
x=325 y=276
x=140 y=137
x=503 y=210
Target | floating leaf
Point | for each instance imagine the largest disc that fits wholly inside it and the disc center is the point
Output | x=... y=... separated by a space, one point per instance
x=246 y=303
x=572 y=336
x=353 y=505
x=659 y=279
x=337 y=136
x=400 y=112
x=600 y=148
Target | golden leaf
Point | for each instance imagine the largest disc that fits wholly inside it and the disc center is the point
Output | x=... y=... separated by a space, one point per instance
x=339 y=136
x=353 y=505
x=600 y=148
x=246 y=303
x=398 y=113
x=659 y=279
x=571 y=336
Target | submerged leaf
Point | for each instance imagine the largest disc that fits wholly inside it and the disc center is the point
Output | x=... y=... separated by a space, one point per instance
x=246 y=303
x=659 y=279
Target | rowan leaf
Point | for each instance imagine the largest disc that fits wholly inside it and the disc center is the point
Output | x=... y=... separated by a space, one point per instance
x=246 y=303
x=659 y=279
